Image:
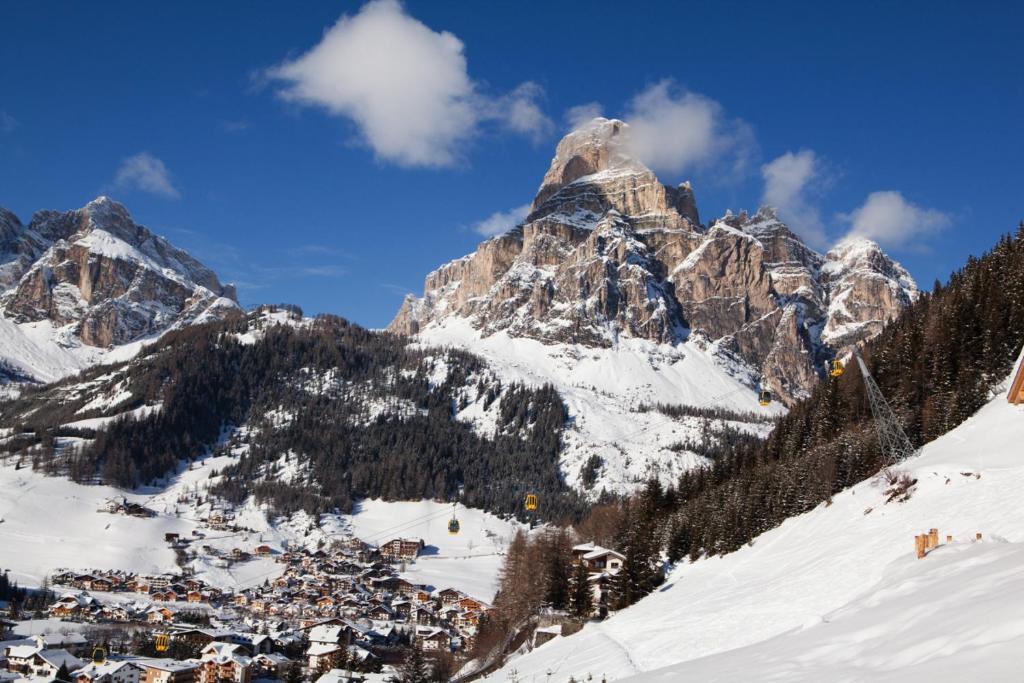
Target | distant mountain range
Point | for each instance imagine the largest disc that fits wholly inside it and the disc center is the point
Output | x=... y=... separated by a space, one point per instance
x=645 y=321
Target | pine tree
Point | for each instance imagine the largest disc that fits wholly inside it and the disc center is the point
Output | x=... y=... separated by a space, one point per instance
x=415 y=668
x=557 y=579
x=581 y=597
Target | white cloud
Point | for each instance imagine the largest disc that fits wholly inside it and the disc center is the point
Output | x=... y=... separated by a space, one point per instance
x=892 y=221
x=582 y=114
x=501 y=221
x=787 y=181
x=674 y=130
x=404 y=85
x=146 y=173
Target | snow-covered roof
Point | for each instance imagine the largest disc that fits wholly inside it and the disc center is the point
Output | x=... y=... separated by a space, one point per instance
x=58 y=657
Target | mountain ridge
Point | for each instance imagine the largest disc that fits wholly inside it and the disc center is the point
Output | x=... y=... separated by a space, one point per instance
x=608 y=250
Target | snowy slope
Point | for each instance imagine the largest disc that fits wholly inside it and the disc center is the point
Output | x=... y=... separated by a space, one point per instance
x=955 y=617
x=41 y=358
x=603 y=388
x=50 y=522
x=468 y=561
x=828 y=577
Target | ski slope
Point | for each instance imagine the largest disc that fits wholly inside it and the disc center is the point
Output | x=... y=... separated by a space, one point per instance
x=469 y=561
x=838 y=589
x=602 y=389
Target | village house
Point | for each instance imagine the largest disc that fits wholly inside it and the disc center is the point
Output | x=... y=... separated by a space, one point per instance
x=597 y=559
x=46 y=663
x=19 y=657
x=270 y=665
x=433 y=639
x=224 y=663
x=109 y=671
x=74 y=605
x=450 y=596
x=168 y=671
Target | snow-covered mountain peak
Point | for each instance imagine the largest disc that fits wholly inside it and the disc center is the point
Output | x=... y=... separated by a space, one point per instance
x=593 y=171
x=93 y=277
x=608 y=251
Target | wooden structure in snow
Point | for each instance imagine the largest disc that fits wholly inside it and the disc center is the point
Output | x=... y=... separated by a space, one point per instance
x=1016 y=394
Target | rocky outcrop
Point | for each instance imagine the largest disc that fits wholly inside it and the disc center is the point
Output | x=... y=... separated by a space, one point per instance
x=111 y=280
x=608 y=250
x=866 y=288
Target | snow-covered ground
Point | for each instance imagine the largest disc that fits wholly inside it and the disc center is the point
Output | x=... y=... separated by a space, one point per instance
x=603 y=388
x=469 y=560
x=50 y=353
x=836 y=594
x=50 y=522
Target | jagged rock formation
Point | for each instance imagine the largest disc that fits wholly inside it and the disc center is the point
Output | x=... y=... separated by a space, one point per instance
x=609 y=250
x=101 y=279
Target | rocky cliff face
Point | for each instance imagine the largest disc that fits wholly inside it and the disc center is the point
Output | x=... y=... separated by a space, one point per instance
x=101 y=278
x=608 y=250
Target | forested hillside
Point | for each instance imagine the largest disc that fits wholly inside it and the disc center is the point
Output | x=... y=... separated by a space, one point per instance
x=937 y=364
x=319 y=413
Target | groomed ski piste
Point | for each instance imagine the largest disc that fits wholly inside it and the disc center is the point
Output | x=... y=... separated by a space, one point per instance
x=837 y=594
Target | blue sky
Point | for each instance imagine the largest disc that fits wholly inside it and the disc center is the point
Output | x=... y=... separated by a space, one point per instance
x=297 y=159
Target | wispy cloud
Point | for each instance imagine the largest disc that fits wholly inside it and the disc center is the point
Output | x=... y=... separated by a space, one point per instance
x=234 y=126
x=400 y=290
x=7 y=122
x=501 y=221
x=581 y=114
x=405 y=86
x=146 y=173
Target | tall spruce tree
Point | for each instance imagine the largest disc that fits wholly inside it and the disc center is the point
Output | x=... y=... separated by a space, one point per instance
x=581 y=596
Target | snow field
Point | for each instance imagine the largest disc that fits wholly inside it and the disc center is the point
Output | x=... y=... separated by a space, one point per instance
x=602 y=389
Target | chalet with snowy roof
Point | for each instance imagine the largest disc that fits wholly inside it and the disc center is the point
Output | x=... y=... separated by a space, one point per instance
x=270 y=665
x=433 y=639
x=1016 y=395
x=109 y=671
x=159 y=615
x=224 y=663
x=597 y=559
x=46 y=663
